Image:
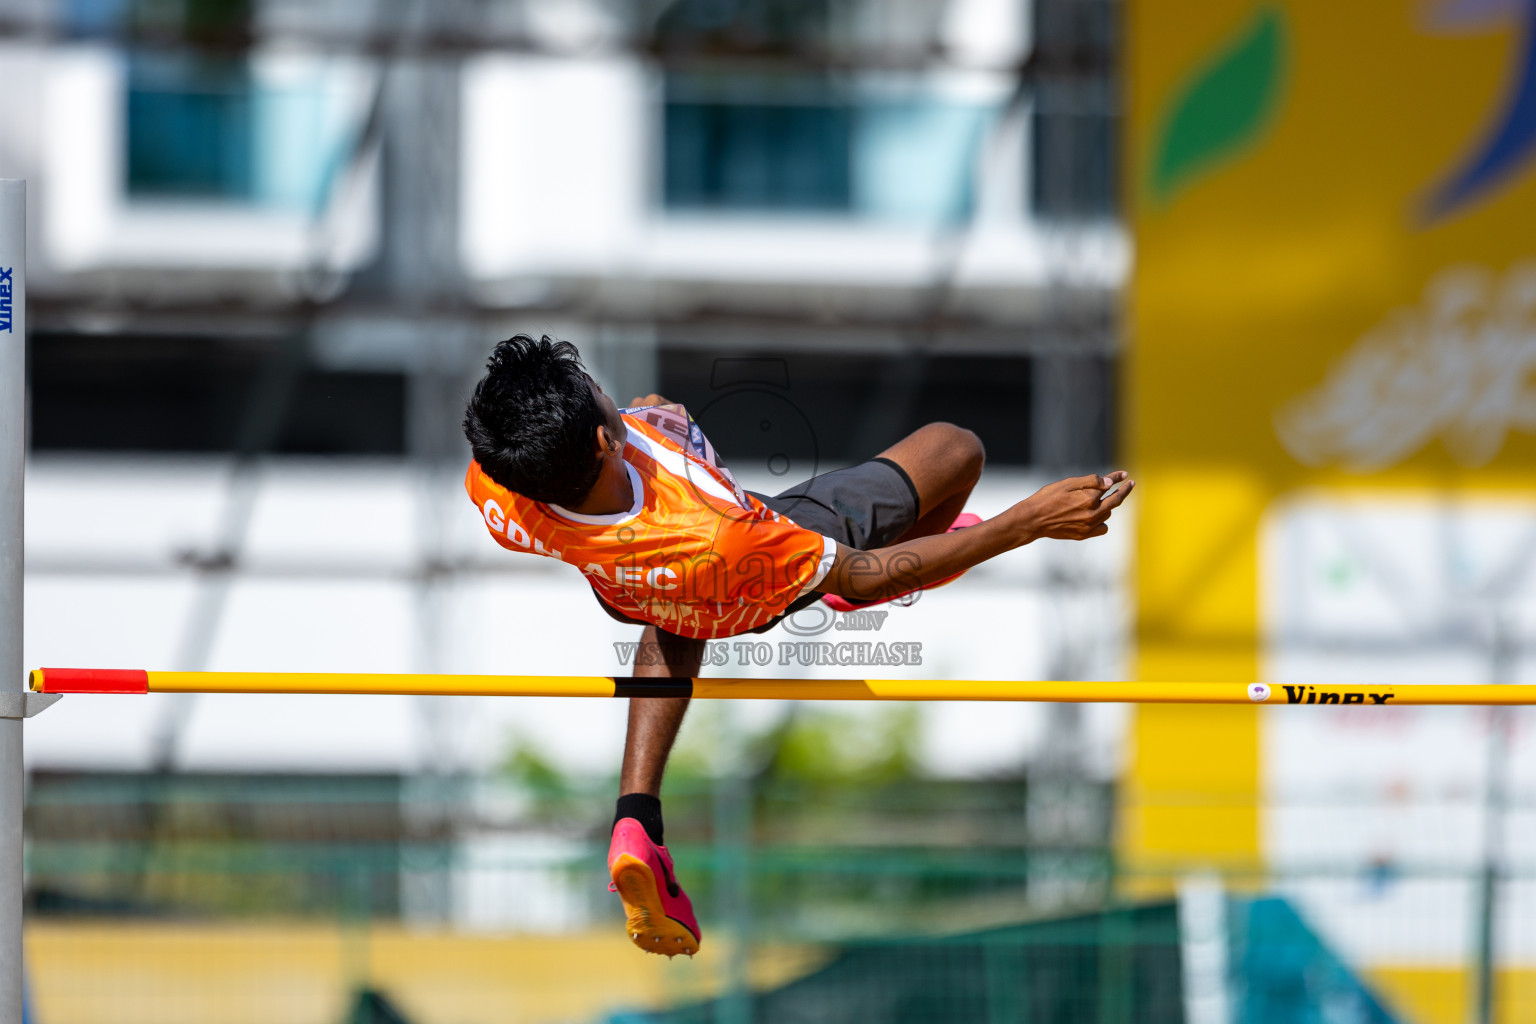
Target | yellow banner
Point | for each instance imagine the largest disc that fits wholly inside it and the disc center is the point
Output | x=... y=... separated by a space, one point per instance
x=1333 y=208
x=1334 y=288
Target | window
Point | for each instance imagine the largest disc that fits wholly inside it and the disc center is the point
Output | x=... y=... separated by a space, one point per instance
x=1074 y=140
x=817 y=412
x=1074 y=153
x=198 y=394
x=267 y=132
x=794 y=154
x=190 y=129
x=742 y=144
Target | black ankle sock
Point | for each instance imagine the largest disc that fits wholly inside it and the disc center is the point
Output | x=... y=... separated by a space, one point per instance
x=645 y=809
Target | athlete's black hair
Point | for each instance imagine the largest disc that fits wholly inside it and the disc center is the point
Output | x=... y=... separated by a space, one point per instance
x=533 y=420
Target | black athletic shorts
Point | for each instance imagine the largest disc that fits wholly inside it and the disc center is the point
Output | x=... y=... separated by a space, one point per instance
x=865 y=507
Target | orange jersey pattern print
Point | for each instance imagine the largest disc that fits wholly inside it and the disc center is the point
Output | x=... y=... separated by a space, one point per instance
x=695 y=555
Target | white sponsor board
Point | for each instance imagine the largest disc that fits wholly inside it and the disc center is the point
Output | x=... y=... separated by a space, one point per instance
x=1376 y=818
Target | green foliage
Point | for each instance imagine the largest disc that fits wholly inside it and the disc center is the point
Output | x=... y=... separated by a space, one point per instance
x=550 y=791
x=811 y=750
x=828 y=749
x=809 y=747
x=198 y=20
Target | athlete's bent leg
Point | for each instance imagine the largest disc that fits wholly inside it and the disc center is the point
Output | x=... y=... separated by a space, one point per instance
x=658 y=915
x=944 y=463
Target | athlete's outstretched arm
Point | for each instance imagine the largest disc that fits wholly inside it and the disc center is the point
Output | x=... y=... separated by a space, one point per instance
x=654 y=721
x=1072 y=509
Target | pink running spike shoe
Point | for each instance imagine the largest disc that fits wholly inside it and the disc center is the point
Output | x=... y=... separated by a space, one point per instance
x=843 y=604
x=660 y=916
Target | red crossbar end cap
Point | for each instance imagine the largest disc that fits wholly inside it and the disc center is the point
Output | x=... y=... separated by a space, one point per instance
x=92 y=680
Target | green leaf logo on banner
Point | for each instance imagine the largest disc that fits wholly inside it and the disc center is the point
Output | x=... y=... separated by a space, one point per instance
x=1223 y=106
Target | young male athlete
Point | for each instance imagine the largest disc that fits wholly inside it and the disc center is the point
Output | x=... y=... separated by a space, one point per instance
x=638 y=500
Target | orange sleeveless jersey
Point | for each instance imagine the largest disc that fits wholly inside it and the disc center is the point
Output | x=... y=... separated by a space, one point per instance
x=695 y=555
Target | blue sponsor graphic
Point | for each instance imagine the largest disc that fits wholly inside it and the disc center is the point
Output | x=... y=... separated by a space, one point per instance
x=6 y=288
x=1507 y=145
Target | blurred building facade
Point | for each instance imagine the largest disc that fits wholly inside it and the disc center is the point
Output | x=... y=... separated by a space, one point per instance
x=926 y=187
x=265 y=231
x=272 y=243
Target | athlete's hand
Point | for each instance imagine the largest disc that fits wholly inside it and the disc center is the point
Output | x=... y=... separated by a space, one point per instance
x=645 y=400
x=1073 y=509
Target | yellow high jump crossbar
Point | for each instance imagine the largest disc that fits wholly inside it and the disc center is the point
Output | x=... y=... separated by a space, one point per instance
x=74 y=680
